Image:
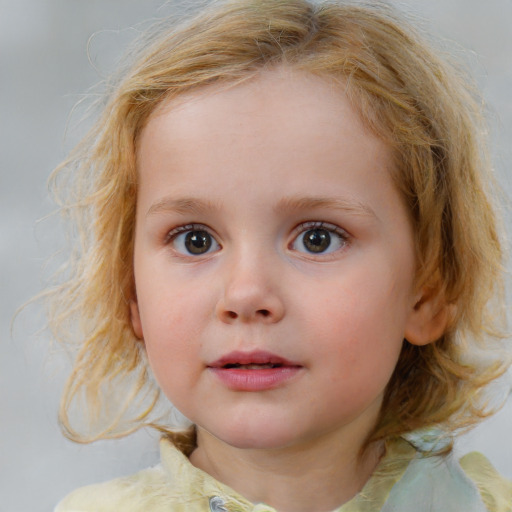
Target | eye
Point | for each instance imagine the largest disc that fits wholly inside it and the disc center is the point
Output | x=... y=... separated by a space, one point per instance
x=192 y=240
x=319 y=238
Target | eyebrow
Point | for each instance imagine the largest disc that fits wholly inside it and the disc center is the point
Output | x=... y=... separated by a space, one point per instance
x=191 y=205
x=290 y=204
x=183 y=205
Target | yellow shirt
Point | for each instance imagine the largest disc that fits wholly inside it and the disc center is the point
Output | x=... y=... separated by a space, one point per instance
x=404 y=480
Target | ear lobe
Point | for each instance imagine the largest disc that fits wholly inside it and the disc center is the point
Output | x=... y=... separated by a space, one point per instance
x=135 y=318
x=429 y=319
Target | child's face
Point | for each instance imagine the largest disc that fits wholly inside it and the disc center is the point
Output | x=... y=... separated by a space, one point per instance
x=269 y=230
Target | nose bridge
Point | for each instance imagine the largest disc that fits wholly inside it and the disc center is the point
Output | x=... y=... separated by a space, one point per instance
x=250 y=290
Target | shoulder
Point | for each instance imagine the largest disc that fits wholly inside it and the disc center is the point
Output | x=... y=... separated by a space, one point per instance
x=442 y=482
x=496 y=491
x=140 y=491
x=172 y=486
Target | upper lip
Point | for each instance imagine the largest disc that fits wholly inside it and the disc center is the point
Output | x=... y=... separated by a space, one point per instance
x=253 y=357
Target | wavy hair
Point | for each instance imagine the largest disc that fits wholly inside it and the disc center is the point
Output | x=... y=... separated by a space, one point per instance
x=407 y=94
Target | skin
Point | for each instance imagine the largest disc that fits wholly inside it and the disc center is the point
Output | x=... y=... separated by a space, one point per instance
x=253 y=166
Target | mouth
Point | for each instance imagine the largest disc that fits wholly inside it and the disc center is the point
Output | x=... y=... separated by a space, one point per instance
x=251 y=366
x=254 y=371
x=256 y=360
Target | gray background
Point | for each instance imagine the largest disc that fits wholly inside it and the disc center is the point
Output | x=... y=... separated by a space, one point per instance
x=44 y=70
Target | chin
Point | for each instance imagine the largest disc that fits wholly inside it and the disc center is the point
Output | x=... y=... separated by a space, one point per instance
x=249 y=437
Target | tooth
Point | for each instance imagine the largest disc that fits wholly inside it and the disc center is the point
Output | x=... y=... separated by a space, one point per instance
x=252 y=366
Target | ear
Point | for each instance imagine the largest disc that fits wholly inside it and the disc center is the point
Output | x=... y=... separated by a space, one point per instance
x=429 y=318
x=135 y=318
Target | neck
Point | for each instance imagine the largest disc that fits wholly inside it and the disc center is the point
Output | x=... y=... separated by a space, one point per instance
x=314 y=477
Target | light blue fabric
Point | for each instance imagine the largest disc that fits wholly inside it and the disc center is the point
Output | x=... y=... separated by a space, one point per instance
x=433 y=483
x=410 y=480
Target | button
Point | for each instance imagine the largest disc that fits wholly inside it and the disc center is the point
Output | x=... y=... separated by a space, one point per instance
x=217 y=504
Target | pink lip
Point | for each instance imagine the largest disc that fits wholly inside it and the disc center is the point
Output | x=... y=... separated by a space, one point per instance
x=253 y=379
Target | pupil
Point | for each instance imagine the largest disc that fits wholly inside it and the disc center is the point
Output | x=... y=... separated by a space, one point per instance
x=198 y=242
x=317 y=240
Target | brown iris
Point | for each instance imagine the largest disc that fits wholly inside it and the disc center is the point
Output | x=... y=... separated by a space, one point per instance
x=316 y=240
x=198 y=242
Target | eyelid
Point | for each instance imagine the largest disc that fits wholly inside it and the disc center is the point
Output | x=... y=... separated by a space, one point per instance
x=320 y=224
x=172 y=236
x=303 y=227
x=178 y=230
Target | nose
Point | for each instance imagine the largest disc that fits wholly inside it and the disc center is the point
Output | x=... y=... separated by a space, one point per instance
x=250 y=293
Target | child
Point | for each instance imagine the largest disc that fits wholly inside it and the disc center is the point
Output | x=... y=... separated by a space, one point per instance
x=284 y=212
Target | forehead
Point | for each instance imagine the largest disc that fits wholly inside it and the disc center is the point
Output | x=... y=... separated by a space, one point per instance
x=288 y=128
x=276 y=109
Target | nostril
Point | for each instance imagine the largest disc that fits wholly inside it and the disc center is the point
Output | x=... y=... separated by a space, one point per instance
x=230 y=315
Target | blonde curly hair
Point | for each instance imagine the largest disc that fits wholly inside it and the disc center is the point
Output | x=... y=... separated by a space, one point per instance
x=405 y=93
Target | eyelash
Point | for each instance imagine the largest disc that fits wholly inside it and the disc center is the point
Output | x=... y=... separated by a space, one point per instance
x=173 y=234
x=301 y=229
x=304 y=227
x=199 y=245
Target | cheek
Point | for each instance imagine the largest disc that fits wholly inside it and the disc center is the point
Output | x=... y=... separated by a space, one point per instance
x=172 y=352
x=175 y=313
x=169 y=305
x=167 y=325
x=355 y=307
x=358 y=327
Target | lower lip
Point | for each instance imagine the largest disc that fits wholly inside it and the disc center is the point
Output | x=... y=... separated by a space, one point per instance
x=239 y=379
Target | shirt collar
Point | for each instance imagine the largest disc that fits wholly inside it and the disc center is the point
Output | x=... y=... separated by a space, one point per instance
x=202 y=490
